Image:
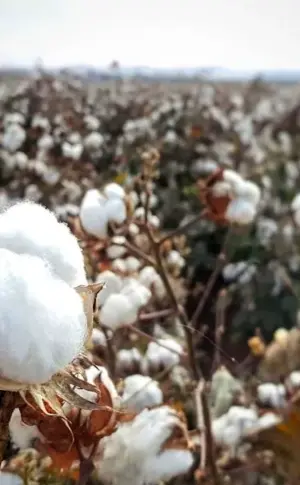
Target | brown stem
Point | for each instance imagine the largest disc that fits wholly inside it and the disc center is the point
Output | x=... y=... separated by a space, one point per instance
x=8 y=401
x=148 y=317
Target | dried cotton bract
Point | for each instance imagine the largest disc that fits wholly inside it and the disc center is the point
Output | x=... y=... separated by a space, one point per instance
x=42 y=320
x=136 y=453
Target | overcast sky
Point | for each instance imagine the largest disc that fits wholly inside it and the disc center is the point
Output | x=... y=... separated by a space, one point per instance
x=238 y=34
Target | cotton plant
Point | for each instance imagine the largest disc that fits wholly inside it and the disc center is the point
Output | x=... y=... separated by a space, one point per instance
x=140 y=392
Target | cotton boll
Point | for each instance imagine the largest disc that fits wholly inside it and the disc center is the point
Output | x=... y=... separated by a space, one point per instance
x=134 y=198
x=152 y=200
x=119 y=266
x=154 y=221
x=45 y=142
x=13 y=137
x=139 y=213
x=91 y=122
x=98 y=337
x=42 y=320
x=114 y=191
x=21 y=160
x=28 y=228
x=129 y=360
x=267 y=421
x=113 y=284
x=158 y=355
x=33 y=193
x=295 y=205
x=168 y=464
x=116 y=210
x=132 y=264
x=248 y=191
x=115 y=251
x=127 y=457
x=147 y=276
x=72 y=151
x=133 y=229
x=232 y=426
x=21 y=434
x=116 y=311
x=233 y=178
x=240 y=211
x=93 y=216
x=10 y=479
x=174 y=258
x=294 y=379
x=141 y=392
x=93 y=141
x=271 y=394
x=137 y=294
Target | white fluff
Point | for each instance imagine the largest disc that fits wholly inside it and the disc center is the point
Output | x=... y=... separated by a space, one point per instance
x=132 y=455
x=13 y=137
x=118 y=249
x=93 y=215
x=119 y=265
x=294 y=379
x=21 y=434
x=231 y=427
x=175 y=259
x=117 y=311
x=240 y=211
x=113 y=284
x=28 y=228
x=93 y=141
x=128 y=358
x=157 y=356
x=114 y=191
x=132 y=264
x=98 y=337
x=10 y=479
x=136 y=293
x=116 y=210
x=42 y=321
x=141 y=392
x=271 y=394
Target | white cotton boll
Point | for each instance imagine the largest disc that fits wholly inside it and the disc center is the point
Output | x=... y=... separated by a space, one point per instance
x=21 y=160
x=91 y=122
x=157 y=356
x=128 y=358
x=123 y=456
x=137 y=293
x=113 y=284
x=132 y=264
x=114 y=191
x=72 y=151
x=21 y=434
x=232 y=426
x=114 y=251
x=270 y=394
x=45 y=142
x=42 y=320
x=134 y=198
x=232 y=270
x=152 y=200
x=139 y=213
x=168 y=464
x=119 y=266
x=267 y=421
x=116 y=210
x=147 y=276
x=154 y=221
x=98 y=337
x=51 y=176
x=74 y=138
x=28 y=228
x=240 y=211
x=93 y=141
x=174 y=258
x=10 y=479
x=222 y=189
x=93 y=215
x=116 y=311
x=40 y=121
x=233 y=178
x=141 y=392
x=295 y=205
x=248 y=191
x=133 y=229
x=294 y=379
x=13 y=118
x=13 y=137
x=33 y=193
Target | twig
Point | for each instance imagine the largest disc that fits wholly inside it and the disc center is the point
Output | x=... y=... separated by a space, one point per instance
x=148 y=317
x=8 y=401
x=220 y=327
x=135 y=251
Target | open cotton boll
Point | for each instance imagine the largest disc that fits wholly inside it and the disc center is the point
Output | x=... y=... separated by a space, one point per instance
x=232 y=426
x=116 y=210
x=174 y=258
x=136 y=293
x=118 y=249
x=13 y=137
x=240 y=211
x=10 y=479
x=295 y=205
x=113 y=284
x=132 y=264
x=114 y=191
x=157 y=356
x=127 y=359
x=93 y=141
x=116 y=311
x=270 y=394
x=98 y=337
x=119 y=266
x=28 y=228
x=166 y=465
x=93 y=216
x=294 y=379
x=151 y=279
x=154 y=221
x=21 y=434
x=123 y=455
x=42 y=320
x=141 y=392
x=248 y=191
x=233 y=178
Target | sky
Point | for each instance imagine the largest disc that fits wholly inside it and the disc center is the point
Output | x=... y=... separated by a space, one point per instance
x=236 y=34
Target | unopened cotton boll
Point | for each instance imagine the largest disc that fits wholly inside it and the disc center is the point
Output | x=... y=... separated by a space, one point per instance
x=127 y=457
x=93 y=216
x=42 y=320
x=141 y=392
x=28 y=228
x=271 y=394
x=114 y=191
x=117 y=311
x=21 y=434
x=113 y=284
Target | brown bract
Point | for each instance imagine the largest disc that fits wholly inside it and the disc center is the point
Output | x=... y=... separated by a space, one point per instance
x=216 y=205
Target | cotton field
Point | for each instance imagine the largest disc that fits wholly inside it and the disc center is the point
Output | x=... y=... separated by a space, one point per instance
x=150 y=282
